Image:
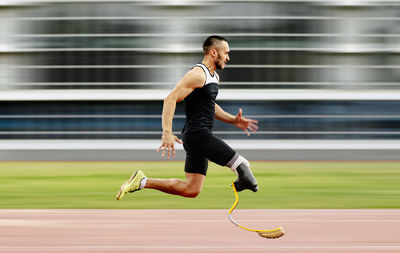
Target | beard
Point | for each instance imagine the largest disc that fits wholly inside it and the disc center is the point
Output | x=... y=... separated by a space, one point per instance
x=219 y=62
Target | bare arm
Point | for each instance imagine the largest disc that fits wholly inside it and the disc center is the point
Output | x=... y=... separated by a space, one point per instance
x=239 y=121
x=193 y=79
x=222 y=115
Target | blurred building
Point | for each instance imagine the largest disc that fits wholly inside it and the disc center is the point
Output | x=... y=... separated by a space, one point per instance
x=320 y=76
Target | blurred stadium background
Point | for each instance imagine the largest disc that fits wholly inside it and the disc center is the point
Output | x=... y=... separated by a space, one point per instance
x=84 y=80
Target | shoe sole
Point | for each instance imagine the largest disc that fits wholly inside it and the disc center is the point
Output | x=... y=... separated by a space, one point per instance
x=123 y=186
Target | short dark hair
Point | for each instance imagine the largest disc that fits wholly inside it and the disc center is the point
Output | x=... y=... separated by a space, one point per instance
x=211 y=41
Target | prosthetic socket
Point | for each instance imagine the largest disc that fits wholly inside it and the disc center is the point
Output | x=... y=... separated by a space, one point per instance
x=246 y=179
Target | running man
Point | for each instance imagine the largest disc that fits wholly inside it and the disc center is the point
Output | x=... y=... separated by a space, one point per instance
x=199 y=89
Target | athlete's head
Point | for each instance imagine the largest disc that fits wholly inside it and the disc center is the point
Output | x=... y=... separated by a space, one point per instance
x=217 y=47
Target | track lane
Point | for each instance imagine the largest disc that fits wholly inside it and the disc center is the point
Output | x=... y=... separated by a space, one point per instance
x=77 y=230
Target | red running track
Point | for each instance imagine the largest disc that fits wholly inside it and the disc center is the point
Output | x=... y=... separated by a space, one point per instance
x=189 y=231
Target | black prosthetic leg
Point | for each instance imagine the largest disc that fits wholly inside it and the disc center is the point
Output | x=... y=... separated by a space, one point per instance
x=246 y=179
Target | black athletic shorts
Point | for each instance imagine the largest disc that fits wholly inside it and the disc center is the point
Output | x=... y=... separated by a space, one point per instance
x=201 y=147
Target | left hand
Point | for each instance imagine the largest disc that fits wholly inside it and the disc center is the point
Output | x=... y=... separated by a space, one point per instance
x=245 y=124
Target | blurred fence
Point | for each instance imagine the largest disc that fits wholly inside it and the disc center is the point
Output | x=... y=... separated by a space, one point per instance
x=147 y=44
x=307 y=70
x=347 y=120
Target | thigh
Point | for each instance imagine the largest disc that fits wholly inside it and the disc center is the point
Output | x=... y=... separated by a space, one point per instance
x=196 y=163
x=205 y=146
x=217 y=151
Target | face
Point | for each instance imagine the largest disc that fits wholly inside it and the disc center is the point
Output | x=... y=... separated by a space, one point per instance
x=222 y=55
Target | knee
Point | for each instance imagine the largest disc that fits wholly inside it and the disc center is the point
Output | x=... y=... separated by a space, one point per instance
x=191 y=192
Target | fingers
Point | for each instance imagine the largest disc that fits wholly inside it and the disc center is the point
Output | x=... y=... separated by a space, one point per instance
x=164 y=147
x=168 y=147
x=158 y=150
x=254 y=121
x=252 y=127
x=178 y=140
x=169 y=151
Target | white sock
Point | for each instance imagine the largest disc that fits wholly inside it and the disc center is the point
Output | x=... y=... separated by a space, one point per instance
x=143 y=182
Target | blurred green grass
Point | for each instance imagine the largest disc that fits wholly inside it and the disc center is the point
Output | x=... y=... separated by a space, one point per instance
x=282 y=185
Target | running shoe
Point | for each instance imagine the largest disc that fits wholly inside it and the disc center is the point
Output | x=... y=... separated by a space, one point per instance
x=132 y=185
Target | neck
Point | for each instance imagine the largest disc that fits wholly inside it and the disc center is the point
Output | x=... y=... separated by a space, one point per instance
x=209 y=64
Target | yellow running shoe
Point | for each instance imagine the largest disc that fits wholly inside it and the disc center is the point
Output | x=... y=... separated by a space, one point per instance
x=133 y=184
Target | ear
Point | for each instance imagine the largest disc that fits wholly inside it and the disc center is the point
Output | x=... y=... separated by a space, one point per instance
x=213 y=52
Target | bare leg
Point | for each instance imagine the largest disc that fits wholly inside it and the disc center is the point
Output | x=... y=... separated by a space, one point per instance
x=189 y=188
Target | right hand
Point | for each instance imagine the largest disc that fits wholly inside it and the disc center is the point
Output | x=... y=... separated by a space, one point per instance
x=168 y=140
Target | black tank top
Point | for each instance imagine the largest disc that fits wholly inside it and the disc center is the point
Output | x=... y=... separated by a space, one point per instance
x=200 y=105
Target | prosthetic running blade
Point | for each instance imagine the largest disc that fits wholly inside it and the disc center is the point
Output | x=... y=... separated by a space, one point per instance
x=269 y=234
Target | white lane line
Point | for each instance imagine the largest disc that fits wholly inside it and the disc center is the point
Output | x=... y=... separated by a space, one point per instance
x=130 y=215
x=5 y=222
x=176 y=212
x=133 y=247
